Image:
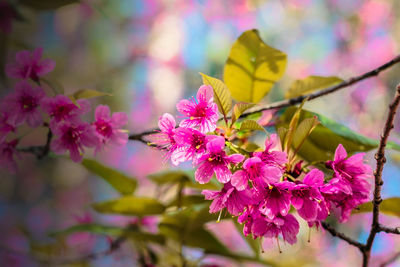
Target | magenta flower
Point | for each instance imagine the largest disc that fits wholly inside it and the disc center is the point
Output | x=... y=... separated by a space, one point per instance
x=192 y=144
x=248 y=217
x=272 y=155
x=8 y=152
x=24 y=103
x=235 y=201
x=257 y=172
x=29 y=65
x=276 y=199
x=6 y=126
x=165 y=138
x=287 y=226
x=60 y=108
x=351 y=168
x=216 y=161
x=108 y=128
x=73 y=137
x=307 y=199
x=203 y=113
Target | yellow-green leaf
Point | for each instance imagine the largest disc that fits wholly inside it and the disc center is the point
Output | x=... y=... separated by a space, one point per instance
x=389 y=206
x=310 y=84
x=130 y=205
x=119 y=181
x=252 y=68
x=251 y=125
x=304 y=129
x=238 y=110
x=88 y=93
x=221 y=94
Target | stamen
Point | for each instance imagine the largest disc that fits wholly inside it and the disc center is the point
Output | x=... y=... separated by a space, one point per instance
x=309 y=235
x=219 y=217
x=279 y=246
x=261 y=244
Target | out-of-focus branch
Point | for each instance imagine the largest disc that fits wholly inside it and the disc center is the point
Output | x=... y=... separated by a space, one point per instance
x=296 y=100
x=39 y=151
x=380 y=162
x=342 y=236
x=389 y=230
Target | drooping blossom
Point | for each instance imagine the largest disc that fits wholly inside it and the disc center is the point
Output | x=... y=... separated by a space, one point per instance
x=108 y=127
x=203 y=113
x=272 y=154
x=307 y=198
x=60 y=108
x=165 y=138
x=235 y=201
x=216 y=161
x=24 y=104
x=73 y=137
x=256 y=171
x=276 y=199
x=192 y=144
x=287 y=226
x=6 y=126
x=8 y=152
x=29 y=65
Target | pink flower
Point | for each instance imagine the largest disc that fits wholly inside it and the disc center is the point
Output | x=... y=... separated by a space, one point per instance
x=24 y=103
x=73 y=137
x=257 y=172
x=203 y=113
x=6 y=126
x=8 y=152
x=276 y=199
x=192 y=144
x=60 y=108
x=235 y=201
x=29 y=65
x=307 y=199
x=287 y=226
x=165 y=139
x=108 y=128
x=272 y=155
x=216 y=161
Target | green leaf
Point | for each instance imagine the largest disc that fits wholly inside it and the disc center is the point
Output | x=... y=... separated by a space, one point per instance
x=389 y=206
x=122 y=183
x=310 y=84
x=324 y=139
x=47 y=4
x=303 y=131
x=238 y=110
x=221 y=94
x=252 y=68
x=251 y=125
x=130 y=205
x=111 y=230
x=88 y=93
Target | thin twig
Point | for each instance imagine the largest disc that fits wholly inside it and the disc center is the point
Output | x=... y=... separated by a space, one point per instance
x=295 y=100
x=342 y=236
x=389 y=230
x=380 y=161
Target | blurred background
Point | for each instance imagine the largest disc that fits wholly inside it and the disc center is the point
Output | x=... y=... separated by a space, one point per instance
x=147 y=54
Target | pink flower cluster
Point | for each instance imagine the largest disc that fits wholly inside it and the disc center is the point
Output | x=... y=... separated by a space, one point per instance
x=29 y=103
x=260 y=187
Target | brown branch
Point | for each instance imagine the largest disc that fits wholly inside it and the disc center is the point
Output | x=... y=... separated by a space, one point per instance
x=295 y=100
x=391 y=259
x=389 y=230
x=342 y=236
x=380 y=161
